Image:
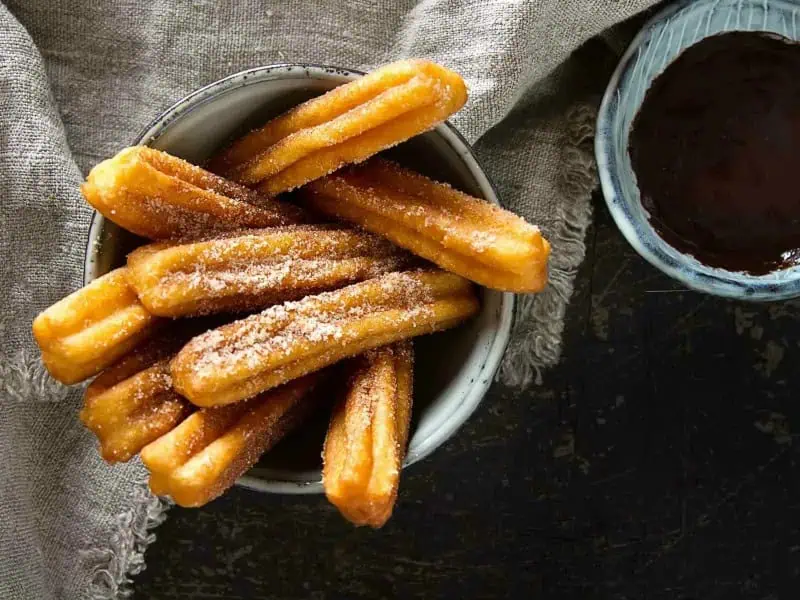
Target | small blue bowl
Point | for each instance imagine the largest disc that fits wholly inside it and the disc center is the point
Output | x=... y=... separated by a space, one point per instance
x=666 y=36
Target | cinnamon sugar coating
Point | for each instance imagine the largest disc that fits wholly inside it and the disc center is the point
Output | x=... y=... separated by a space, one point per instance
x=289 y=340
x=463 y=234
x=159 y=196
x=256 y=268
x=368 y=434
x=346 y=125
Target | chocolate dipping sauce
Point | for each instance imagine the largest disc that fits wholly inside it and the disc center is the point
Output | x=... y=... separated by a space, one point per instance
x=716 y=152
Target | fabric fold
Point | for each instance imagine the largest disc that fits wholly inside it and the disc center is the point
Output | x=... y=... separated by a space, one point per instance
x=77 y=84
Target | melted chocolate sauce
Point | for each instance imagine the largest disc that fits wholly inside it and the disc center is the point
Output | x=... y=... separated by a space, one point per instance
x=716 y=152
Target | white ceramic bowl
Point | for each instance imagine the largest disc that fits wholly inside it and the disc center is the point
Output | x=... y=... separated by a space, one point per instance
x=453 y=369
x=680 y=25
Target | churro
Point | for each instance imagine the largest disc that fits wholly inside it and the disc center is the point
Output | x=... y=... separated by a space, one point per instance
x=466 y=235
x=132 y=403
x=289 y=340
x=91 y=328
x=204 y=455
x=367 y=436
x=346 y=125
x=256 y=268
x=159 y=196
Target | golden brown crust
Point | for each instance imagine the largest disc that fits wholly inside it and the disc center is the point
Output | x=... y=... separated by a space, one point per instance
x=133 y=412
x=159 y=196
x=287 y=341
x=132 y=402
x=256 y=268
x=91 y=328
x=368 y=433
x=204 y=455
x=466 y=235
x=162 y=345
x=346 y=125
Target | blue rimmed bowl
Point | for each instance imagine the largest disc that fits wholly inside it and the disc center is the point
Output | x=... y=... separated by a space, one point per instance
x=453 y=369
x=663 y=38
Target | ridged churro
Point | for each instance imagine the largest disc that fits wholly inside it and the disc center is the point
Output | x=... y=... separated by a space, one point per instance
x=159 y=196
x=367 y=436
x=286 y=341
x=132 y=403
x=204 y=455
x=346 y=125
x=91 y=328
x=460 y=233
x=256 y=268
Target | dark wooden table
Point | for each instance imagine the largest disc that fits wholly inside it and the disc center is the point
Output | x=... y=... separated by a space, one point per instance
x=657 y=461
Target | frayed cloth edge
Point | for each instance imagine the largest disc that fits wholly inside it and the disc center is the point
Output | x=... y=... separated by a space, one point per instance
x=539 y=318
x=24 y=378
x=113 y=567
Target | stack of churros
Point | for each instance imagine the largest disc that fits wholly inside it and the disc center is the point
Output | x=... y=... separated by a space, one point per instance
x=294 y=293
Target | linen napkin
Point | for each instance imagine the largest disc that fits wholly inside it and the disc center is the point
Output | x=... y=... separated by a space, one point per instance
x=80 y=78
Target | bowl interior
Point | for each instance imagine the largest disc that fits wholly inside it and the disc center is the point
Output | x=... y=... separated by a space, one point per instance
x=453 y=369
x=668 y=34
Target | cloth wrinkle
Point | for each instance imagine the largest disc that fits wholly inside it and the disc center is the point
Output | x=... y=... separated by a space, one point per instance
x=78 y=84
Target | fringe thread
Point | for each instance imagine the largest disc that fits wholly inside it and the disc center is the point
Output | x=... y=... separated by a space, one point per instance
x=24 y=378
x=536 y=343
x=116 y=565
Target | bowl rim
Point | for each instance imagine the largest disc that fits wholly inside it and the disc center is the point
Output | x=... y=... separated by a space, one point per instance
x=480 y=381
x=686 y=270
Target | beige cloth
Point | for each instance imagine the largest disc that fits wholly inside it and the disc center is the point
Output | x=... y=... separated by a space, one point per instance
x=80 y=78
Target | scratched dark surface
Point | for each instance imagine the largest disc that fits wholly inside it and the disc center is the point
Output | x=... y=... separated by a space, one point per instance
x=657 y=461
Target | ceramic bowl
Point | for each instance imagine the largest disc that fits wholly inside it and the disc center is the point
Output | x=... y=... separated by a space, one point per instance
x=453 y=369
x=667 y=35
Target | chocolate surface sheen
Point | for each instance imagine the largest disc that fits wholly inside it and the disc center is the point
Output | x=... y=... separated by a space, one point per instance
x=716 y=152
